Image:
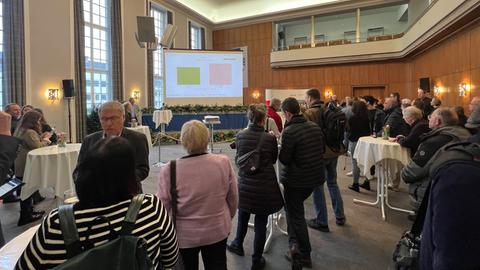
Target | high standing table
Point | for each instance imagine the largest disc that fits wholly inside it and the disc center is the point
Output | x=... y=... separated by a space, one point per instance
x=50 y=166
x=389 y=158
x=161 y=118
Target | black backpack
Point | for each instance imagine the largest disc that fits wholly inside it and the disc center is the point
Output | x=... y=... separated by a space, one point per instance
x=124 y=251
x=334 y=124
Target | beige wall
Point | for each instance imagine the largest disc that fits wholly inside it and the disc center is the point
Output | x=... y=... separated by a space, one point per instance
x=49 y=52
x=49 y=56
x=134 y=57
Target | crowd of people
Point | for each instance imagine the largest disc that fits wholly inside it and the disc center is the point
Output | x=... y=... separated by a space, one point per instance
x=199 y=194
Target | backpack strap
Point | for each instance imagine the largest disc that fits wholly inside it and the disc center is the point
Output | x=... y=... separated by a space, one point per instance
x=173 y=189
x=131 y=217
x=69 y=230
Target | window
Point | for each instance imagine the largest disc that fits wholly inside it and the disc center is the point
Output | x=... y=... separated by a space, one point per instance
x=97 y=52
x=160 y=20
x=195 y=37
x=3 y=101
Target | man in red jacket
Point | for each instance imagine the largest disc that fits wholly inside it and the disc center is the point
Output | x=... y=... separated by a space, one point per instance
x=272 y=112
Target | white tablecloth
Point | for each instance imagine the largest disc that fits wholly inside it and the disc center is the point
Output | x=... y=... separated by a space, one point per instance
x=370 y=151
x=11 y=252
x=50 y=166
x=162 y=117
x=145 y=130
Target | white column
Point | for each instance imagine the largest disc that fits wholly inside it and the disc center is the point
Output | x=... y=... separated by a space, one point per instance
x=312 y=32
x=357 y=36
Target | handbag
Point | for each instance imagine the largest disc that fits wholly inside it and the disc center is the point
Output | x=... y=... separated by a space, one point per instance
x=407 y=251
x=249 y=162
x=174 y=196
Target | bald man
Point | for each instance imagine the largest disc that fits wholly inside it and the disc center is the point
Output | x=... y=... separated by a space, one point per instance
x=474 y=104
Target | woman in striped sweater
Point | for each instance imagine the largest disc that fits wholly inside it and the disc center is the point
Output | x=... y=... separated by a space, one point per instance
x=105 y=184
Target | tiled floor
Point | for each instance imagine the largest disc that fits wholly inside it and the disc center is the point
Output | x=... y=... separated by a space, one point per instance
x=365 y=242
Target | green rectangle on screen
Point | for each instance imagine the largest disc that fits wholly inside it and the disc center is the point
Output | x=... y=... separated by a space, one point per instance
x=188 y=75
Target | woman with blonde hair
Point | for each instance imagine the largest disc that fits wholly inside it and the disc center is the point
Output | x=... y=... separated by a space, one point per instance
x=205 y=199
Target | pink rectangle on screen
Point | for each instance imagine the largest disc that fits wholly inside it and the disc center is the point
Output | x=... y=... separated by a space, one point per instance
x=220 y=74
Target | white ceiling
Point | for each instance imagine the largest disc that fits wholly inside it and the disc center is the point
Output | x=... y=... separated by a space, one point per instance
x=219 y=11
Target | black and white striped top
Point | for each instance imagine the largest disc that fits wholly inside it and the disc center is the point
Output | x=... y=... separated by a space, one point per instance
x=47 y=249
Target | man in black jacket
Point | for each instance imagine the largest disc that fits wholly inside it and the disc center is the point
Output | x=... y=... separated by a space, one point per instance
x=425 y=103
x=394 y=118
x=443 y=122
x=112 y=116
x=303 y=170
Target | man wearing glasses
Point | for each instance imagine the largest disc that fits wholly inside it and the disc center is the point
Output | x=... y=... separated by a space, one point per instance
x=112 y=116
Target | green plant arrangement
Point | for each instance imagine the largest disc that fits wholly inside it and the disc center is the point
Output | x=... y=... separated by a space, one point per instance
x=93 y=122
x=199 y=109
x=218 y=136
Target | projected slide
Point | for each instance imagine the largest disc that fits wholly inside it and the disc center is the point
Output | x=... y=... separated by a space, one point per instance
x=203 y=74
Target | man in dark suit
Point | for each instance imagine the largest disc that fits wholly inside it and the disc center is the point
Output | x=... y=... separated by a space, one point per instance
x=112 y=116
x=8 y=152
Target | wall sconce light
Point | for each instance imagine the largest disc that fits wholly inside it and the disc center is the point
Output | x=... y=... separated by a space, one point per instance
x=463 y=88
x=328 y=93
x=256 y=95
x=136 y=94
x=437 y=90
x=53 y=94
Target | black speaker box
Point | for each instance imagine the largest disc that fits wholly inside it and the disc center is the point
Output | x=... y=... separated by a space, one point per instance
x=68 y=88
x=425 y=84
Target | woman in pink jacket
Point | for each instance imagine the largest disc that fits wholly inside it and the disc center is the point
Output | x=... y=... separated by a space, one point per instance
x=207 y=199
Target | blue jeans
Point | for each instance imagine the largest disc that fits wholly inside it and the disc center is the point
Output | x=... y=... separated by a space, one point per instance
x=260 y=233
x=319 y=194
x=355 y=168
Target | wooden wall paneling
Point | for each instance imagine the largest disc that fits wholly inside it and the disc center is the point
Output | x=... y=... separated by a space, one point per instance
x=475 y=86
x=474 y=43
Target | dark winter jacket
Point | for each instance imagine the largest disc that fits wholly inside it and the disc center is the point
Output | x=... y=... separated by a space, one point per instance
x=412 y=141
x=376 y=118
x=302 y=154
x=394 y=118
x=416 y=173
x=259 y=193
x=450 y=234
x=358 y=126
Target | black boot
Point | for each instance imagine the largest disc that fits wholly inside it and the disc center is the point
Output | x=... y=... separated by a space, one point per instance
x=355 y=187
x=27 y=214
x=365 y=185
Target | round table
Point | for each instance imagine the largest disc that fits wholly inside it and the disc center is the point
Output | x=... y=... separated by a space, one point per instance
x=50 y=166
x=389 y=158
x=162 y=117
x=144 y=130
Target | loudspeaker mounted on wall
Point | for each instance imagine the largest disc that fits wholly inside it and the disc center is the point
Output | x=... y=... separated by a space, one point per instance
x=425 y=84
x=68 y=88
x=145 y=29
x=168 y=36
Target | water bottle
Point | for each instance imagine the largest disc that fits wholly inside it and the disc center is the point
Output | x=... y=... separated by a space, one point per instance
x=386 y=132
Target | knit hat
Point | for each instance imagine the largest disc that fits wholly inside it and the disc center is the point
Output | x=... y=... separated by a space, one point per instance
x=474 y=119
x=5 y=123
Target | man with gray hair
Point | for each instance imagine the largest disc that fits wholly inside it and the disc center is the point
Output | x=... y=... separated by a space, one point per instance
x=15 y=111
x=443 y=122
x=272 y=113
x=112 y=117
